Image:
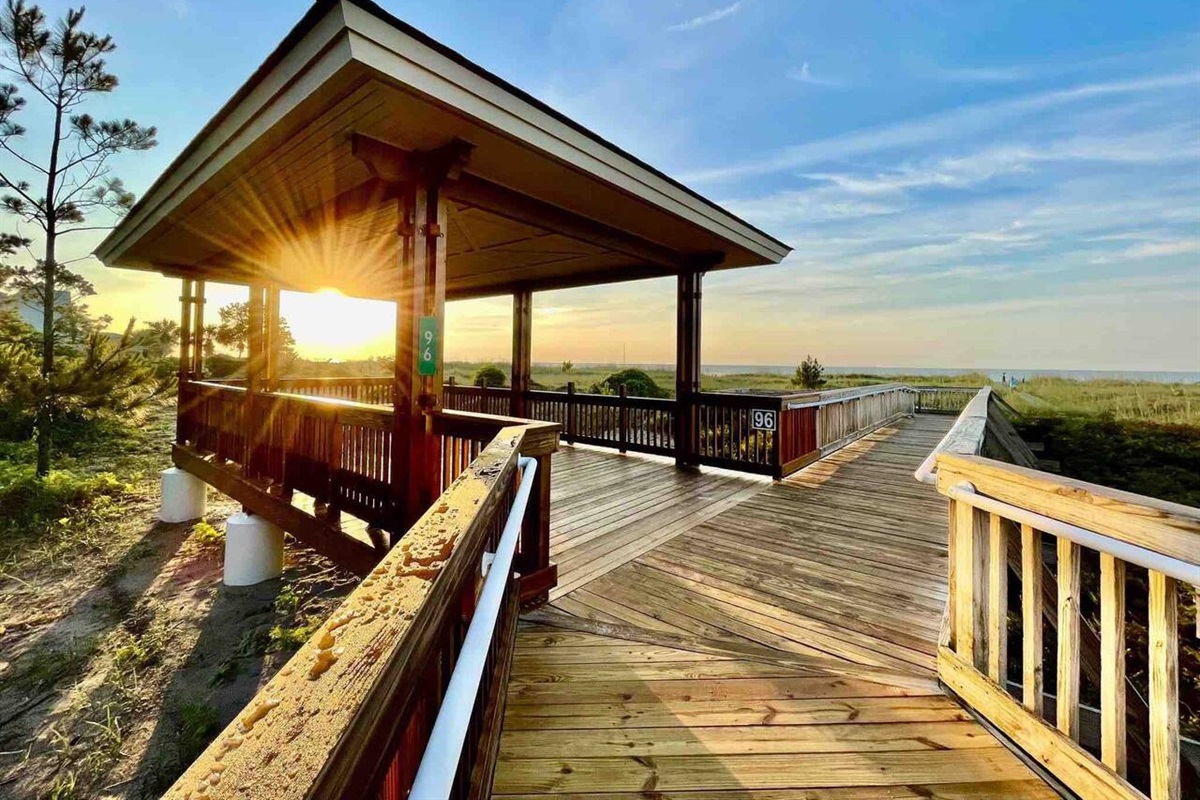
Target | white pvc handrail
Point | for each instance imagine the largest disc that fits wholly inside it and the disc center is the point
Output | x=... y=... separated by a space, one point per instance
x=435 y=776
x=1131 y=553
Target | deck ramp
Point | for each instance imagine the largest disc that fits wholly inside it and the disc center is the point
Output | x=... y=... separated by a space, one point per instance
x=728 y=638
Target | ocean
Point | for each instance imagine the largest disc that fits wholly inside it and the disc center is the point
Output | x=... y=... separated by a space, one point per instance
x=993 y=373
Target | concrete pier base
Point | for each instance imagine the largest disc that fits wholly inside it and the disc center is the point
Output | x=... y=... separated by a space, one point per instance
x=253 y=550
x=183 y=496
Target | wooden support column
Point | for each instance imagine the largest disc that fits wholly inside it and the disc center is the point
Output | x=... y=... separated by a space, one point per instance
x=416 y=397
x=272 y=341
x=185 y=361
x=522 y=351
x=417 y=179
x=197 y=365
x=254 y=375
x=687 y=367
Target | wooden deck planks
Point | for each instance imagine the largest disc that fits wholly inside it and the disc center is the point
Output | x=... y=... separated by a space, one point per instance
x=716 y=638
x=596 y=716
x=846 y=559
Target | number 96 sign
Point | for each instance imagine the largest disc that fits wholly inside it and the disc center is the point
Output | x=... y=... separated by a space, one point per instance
x=427 y=348
x=762 y=419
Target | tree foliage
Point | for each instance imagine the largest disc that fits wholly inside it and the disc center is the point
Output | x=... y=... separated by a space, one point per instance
x=489 y=375
x=60 y=67
x=810 y=374
x=637 y=384
x=567 y=366
x=233 y=332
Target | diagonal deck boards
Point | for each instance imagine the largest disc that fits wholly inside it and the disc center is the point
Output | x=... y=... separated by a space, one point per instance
x=717 y=638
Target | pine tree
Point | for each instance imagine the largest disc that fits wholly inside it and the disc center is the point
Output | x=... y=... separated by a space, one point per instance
x=62 y=68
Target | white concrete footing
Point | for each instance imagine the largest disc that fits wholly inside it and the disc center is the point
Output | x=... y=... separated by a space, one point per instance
x=183 y=496
x=253 y=550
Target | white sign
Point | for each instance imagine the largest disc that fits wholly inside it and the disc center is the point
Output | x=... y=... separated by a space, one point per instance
x=762 y=419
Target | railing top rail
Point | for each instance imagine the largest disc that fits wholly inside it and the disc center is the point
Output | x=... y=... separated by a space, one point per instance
x=965 y=436
x=830 y=396
x=539 y=438
x=324 y=726
x=1171 y=529
x=436 y=773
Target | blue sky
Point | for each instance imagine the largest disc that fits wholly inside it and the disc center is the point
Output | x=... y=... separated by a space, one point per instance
x=964 y=184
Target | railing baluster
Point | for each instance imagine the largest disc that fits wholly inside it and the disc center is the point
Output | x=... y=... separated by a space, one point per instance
x=1031 y=619
x=997 y=614
x=1068 y=638
x=1164 y=688
x=1112 y=662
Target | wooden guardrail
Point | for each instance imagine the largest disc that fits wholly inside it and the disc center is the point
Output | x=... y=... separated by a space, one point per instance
x=350 y=714
x=1007 y=518
x=943 y=399
x=771 y=434
x=339 y=452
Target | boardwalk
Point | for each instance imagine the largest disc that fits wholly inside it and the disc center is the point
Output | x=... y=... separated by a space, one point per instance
x=736 y=638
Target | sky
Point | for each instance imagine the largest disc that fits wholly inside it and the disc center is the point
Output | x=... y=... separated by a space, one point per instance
x=970 y=185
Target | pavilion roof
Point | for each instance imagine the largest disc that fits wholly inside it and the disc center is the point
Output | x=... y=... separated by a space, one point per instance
x=275 y=187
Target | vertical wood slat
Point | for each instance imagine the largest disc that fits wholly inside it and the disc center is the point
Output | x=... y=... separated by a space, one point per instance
x=1112 y=663
x=1165 y=781
x=1032 y=676
x=997 y=613
x=1067 y=685
x=970 y=582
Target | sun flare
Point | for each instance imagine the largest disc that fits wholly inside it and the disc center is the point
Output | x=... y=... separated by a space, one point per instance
x=329 y=325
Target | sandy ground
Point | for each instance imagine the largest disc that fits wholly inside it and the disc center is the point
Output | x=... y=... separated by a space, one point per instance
x=118 y=664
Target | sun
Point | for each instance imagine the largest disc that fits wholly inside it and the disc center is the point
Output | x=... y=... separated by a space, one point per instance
x=329 y=325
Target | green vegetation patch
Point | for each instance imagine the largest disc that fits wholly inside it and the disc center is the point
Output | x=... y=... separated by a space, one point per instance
x=1148 y=458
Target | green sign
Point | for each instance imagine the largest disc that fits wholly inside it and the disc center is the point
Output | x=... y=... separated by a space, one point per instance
x=427 y=350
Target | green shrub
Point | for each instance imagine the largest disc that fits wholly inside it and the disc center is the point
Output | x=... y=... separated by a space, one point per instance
x=489 y=375
x=637 y=384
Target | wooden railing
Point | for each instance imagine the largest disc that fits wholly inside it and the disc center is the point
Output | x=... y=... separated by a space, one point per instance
x=943 y=399
x=1008 y=518
x=351 y=713
x=768 y=434
x=339 y=452
x=731 y=433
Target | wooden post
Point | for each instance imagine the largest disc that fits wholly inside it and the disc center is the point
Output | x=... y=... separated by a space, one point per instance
x=687 y=366
x=271 y=339
x=623 y=417
x=569 y=428
x=197 y=367
x=254 y=365
x=185 y=336
x=416 y=452
x=537 y=574
x=522 y=351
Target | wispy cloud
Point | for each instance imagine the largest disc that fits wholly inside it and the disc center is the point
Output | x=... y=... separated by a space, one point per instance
x=804 y=75
x=181 y=8
x=986 y=74
x=707 y=19
x=972 y=119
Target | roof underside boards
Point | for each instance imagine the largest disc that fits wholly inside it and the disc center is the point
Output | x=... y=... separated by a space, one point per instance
x=271 y=190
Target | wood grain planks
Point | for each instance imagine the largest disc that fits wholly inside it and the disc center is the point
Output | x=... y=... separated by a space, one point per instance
x=716 y=638
x=590 y=715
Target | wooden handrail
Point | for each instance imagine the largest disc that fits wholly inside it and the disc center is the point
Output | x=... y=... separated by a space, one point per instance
x=964 y=437
x=988 y=500
x=334 y=717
